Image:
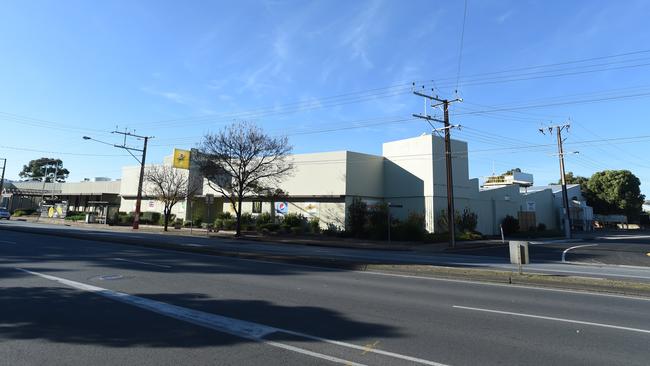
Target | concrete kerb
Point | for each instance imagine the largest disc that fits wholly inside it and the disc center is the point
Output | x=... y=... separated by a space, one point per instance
x=473 y=274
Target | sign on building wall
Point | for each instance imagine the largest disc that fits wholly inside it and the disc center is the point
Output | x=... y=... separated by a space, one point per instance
x=282 y=208
x=311 y=208
x=530 y=206
x=181 y=159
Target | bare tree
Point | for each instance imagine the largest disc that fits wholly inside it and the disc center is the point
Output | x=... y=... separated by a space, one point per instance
x=168 y=185
x=241 y=160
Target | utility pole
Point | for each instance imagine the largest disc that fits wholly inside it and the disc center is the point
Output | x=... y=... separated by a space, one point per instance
x=565 y=195
x=448 y=162
x=2 y=179
x=138 y=202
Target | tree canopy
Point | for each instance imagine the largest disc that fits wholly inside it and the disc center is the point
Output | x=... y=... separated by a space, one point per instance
x=615 y=192
x=45 y=168
x=610 y=192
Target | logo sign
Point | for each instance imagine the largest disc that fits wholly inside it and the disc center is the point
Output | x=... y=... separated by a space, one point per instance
x=181 y=159
x=282 y=207
x=151 y=204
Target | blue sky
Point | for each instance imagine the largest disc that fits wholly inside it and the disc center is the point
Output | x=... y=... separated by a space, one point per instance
x=332 y=75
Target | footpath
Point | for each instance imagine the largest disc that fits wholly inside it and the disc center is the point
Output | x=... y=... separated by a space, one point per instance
x=399 y=259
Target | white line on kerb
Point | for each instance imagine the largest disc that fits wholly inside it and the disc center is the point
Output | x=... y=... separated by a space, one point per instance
x=240 y=328
x=554 y=319
x=140 y=262
x=577 y=246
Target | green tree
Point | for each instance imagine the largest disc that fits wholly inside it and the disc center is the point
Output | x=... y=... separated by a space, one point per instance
x=615 y=192
x=45 y=168
x=577 y=179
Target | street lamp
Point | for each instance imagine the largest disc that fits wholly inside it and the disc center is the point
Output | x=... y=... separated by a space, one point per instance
x=136 y=217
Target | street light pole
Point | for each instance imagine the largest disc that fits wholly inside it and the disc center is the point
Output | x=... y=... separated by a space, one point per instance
x=2 y=179
x=138 y=202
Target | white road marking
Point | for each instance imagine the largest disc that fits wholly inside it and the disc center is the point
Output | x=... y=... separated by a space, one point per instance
x=555 y=319
x=375 y=273
x=240 y=328
x=139 y=262
x=623 y=237
x=575 y=247
x=7 y=242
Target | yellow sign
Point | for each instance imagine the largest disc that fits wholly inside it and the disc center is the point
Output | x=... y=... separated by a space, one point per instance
x=181 y=159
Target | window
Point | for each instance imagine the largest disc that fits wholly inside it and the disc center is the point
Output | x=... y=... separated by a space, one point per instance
x=257 y=206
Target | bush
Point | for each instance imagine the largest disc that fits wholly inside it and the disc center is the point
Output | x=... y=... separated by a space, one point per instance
x=19 y=213
x=224 y=215
x=247 y=219
x=332 y=230
x=161 y=219
x=76 y=216
x=263 y=218
x=296 y=230
x=378 y=221
x=269 y=227
x=468 y=221
x=314 y=225
x=541 y=227
x=294 y=220
x=225 y=224
x=357 y=216
x=229 y=224
x=470 y=235
x=443 y=224
x=151 y=218
x=124 y=218
x=510 y=225
x=410 y=230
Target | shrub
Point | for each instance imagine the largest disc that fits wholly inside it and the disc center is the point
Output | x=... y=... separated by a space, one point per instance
x=225 y=224
x=161 y=219
x=229 y=224
x=411 y=229
x=296 y=230
x=263 y=218
x=269 y=227
x=541 y=227
x=378 y=221
x=224 y=215
x=442 y=221
x=357 y=216
x=510 y=225
x=332 y=230
x=76 y=216
x=124 y=218
x=468 y=221
x=294 y=220
x=152 y=218
x=314 y=225
x=247 y=219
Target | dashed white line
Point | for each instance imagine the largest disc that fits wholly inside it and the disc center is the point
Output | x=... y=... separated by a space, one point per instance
x=575 y=247
x=240 y=328
x=554 y=319
x=140 y=262
x=7 y=242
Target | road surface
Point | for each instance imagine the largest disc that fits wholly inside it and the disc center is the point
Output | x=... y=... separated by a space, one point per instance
x=82 y=302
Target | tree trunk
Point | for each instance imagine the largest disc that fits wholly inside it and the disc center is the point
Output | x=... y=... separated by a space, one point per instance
x=167 y=214
x=238 y=232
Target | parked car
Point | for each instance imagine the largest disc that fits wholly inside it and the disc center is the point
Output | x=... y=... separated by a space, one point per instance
x=4 y=214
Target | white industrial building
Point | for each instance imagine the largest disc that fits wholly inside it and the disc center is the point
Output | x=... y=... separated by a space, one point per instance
x=410 y=175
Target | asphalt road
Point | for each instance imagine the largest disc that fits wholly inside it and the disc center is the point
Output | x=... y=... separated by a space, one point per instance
x=627 y=249
x=545 y=261
x=81 y=302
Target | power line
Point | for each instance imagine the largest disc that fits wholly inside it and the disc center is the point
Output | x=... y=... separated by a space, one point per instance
x=460 y=48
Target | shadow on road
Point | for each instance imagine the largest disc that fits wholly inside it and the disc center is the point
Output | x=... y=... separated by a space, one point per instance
x=69 y=316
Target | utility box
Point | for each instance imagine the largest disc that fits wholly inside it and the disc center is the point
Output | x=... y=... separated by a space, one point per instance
x=519 y=252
